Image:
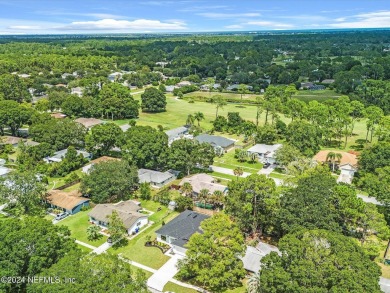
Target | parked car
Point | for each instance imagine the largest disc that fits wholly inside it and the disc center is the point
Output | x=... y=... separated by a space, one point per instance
x=109 y=240
x=61 y=216
x=266 y=165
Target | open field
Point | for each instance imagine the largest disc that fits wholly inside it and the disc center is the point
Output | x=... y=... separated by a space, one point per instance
x=78 y=225
x=178 y=110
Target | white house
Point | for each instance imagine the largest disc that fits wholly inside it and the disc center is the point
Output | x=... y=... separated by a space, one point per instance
x=176 y=133
x=128 y=212
x=115 y=76
x=177 y=232
x=347 y=173
x=265 y=152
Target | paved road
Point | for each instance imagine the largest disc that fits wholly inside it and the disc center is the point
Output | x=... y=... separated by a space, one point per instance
x=227 y=171
x=385 y=285
x=369 y=199
x=160 y=278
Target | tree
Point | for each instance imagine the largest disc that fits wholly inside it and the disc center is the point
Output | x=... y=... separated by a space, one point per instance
x=377 y=184
x=211 y=258
x=114 y=274
x=198 y=116
x=305 y=137
x=242 y=89
x=187 y=155
x=145 y=191
x=14 y=116
x=287 y=154
x=153 y=100
x=28 y=246
x=219 y=102
x=309 y=204
x=145 y=146
x=373 y=115
x=318 y=261
x=116 y=228
x=93 y=233
x=186 y=189
x=110 y=181
x=23 y=193
x=210 y=84
x=374 y=157
x=252 y=202
x=241 y=155
x=101 y=139
x=190 y=119
x=73 y=106
x=266 y=134
x=220 y=123
x=238 y=172
x=13 y=88
x=183 y=203
x=333 y=158
x=42 y=105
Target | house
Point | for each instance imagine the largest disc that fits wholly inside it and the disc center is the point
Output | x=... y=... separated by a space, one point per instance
x=89 y=122
x=327 y=81
x=218 y=142
x=128 y=212
x=346 y=158
x=77 y=91
x=253 y=255
x=203 y=181
x=170 y=88
x=115 y=76
x=176 y=133
x=4 y=171
x=206 y=87
x=58 y=115
x=347 y=171
x=306 y=85
x=183 y=83
x=177 y=232
x=156 y=178
x=316 y=87
x=12 y=140
x=265 y=152
x=58 y=156
x=235 y=87
x=70 y=202
x=86 y=169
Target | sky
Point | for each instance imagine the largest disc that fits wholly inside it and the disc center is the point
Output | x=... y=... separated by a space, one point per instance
x=135 y=16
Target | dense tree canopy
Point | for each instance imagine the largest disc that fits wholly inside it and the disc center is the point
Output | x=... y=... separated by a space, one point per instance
x=110 y=181
x=153 y=100
x=318 y=261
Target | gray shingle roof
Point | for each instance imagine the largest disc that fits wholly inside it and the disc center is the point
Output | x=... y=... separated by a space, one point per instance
x=215 y=140
x=176 y=131
x=146 y=175
x=183 y=227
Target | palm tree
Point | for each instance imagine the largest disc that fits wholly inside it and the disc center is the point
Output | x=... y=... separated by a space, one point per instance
x=242 y=89
x=186 y=188
x=254 y=283
x=338 y=157
x=93 y=232
x=203 y=195
x=219 y=102
x=238 y=172
x=333 y=158
x=198 y=116
x=253 y=157
x=218 y=198
x=242 y=155
x=190 y=119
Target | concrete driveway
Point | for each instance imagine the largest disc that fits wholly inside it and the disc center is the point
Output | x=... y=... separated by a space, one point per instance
x=369 y=199
x=385 y=285
x=227 y=171
x=160 y=278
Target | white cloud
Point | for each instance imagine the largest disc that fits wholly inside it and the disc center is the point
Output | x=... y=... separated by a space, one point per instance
x=215 y=15
x=25 y=27
x=115 y=25
x=271 y=24
x=378 y=19
x=234 y=26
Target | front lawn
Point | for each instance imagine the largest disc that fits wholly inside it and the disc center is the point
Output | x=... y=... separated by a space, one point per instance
x=172 y=287
x=136 y=250
x=84 y=249
x=78 y=225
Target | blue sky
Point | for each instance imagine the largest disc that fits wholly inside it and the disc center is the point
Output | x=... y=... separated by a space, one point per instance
x=132 y=16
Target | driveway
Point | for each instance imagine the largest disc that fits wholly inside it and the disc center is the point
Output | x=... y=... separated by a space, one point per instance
x=102 y=248
x=227 y=171
x=385 y=285
x=160 y=278
x=369 y=199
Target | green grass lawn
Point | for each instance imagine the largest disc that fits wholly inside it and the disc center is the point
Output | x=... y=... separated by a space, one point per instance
x=73 y=187
x=84 y=249
x=147 y=273
x=229 y=161
x=172 y=287
x=223 y=176
x=78 y=225
x=136 y=250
